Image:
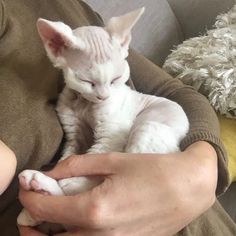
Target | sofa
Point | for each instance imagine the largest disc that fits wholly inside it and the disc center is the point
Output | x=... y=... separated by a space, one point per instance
x=165 y=24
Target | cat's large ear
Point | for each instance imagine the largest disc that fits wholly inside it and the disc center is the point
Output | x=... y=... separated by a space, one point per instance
x=57 y=37
x=120 y=27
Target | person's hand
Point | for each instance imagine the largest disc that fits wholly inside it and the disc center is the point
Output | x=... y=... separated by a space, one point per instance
x=142 y=194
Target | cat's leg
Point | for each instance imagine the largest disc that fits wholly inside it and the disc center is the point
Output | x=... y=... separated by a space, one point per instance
x=159 y=128
x=41 y=182
x=37 y=181
x=152 y=137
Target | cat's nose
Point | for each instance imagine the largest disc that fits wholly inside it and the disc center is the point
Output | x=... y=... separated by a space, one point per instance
x=102 y=97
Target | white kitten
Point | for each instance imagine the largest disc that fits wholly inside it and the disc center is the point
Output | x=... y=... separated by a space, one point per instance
x=96 y=99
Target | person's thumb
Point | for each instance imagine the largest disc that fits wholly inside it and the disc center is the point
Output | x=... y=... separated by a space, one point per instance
x=84 y=165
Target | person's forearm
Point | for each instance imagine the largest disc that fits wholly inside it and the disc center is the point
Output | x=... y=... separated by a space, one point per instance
x=204 y=125
x=7 y=166
x=203 y=160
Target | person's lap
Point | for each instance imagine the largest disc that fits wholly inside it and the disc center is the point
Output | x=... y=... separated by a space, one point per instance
x=214 y=222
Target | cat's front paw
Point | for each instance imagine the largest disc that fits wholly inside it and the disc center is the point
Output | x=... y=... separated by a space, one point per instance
x=26 y=179
x=37 y=181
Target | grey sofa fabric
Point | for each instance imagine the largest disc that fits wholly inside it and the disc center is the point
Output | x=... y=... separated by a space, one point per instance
x=157 y=30
x=165 y=23
x=195 y=16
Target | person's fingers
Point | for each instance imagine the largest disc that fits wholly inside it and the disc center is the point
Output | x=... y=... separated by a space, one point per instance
x=27 y=231
x=82 y=209
x=84 y=165
x=70 y=210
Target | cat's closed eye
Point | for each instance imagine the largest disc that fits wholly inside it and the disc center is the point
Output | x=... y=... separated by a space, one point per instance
x=114 y=80
x=89 y=82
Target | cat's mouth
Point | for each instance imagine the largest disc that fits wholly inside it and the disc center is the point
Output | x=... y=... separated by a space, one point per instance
x=94 y=100
x=99 y=101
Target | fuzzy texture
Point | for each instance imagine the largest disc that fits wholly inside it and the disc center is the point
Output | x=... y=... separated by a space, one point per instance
x=96 y=99
x=208 y=63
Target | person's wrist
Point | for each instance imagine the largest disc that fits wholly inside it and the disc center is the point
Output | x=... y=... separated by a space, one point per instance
x=203 y=159
x=202 y=150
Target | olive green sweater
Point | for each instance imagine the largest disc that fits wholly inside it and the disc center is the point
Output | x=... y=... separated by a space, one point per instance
x=29 y=87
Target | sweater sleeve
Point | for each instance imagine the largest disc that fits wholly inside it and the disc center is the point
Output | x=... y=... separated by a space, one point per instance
x=149 y=78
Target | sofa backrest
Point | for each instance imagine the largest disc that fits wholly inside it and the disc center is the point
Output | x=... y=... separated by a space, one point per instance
x=165 y=23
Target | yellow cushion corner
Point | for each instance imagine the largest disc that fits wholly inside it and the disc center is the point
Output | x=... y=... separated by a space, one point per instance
x=228 y=135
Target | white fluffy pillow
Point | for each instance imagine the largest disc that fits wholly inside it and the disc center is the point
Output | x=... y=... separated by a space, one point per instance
x=208 y=63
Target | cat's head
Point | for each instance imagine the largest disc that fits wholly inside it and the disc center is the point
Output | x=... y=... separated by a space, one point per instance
x=92 y=58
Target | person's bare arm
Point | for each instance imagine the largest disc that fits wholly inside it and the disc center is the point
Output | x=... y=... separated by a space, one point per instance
x=7 y=166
